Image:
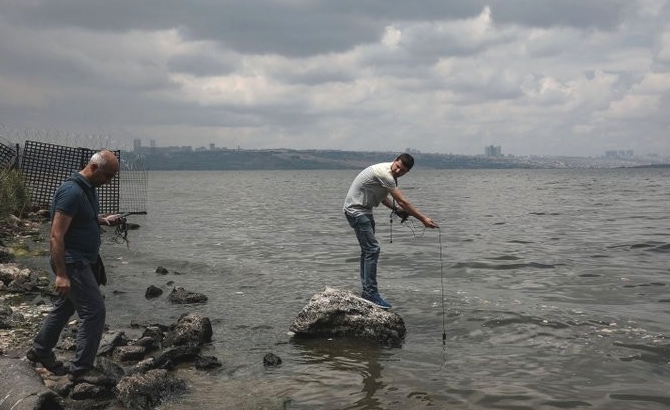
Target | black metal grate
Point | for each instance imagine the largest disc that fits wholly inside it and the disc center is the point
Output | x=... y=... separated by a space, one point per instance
x=7 y=156
x=46 y=166
x=133 y=178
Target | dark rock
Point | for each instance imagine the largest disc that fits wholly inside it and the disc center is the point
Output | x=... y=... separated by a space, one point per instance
x=191 y=329
x=6 y=316
x=181 y=296
x=67 y=343
x=18 y=279
x=271 y=360
x=23 y=389
x=110 y=340
x=147 y=342
x=162 y=270
x=146 y=391
x=132 y=226
x=207 y=363
x=142 y=366
x=170 y=358
x=156 y=333
x=5 y=255
x=153 y=292
x=339 y=313
x=129 y=353
x=61 y=385
x=111 y=368
x=84 y=391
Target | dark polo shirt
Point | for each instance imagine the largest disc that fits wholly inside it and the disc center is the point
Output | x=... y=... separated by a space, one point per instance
x=82 y=239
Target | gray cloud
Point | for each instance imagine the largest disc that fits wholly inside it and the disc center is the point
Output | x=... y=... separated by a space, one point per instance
x=567 y=77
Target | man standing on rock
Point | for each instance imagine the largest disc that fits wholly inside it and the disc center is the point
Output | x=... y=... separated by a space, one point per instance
x=370 y=188
x=74 y=245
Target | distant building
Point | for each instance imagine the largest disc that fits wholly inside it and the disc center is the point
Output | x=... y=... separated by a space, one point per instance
x=492 y=151
x=212 y=147
x=620 y=154
x=153 y=149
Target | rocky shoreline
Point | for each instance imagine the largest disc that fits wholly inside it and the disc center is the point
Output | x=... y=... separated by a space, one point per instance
x=140 y=367
x=137 y=370
x=22 y=238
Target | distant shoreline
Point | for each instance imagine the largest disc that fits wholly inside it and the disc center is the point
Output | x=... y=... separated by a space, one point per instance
x=160 y=159
x=653 y=166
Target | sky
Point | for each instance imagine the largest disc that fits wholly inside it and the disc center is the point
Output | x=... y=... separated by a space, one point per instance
x=535 y=77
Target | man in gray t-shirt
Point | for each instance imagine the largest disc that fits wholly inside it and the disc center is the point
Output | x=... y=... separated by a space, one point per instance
x=371 y=187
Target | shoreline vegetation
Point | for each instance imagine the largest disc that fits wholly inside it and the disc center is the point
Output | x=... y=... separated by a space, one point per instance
x=22 y=235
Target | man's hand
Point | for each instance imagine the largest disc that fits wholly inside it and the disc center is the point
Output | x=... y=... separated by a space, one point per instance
x=428 y=223
x=113 y=220
x=62 y=285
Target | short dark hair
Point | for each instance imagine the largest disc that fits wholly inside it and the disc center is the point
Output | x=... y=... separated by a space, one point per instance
x=407 y=160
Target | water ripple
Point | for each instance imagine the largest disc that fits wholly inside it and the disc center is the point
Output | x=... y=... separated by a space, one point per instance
x=483 y=265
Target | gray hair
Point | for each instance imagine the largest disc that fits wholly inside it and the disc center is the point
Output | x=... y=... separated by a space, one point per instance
x=99 y=160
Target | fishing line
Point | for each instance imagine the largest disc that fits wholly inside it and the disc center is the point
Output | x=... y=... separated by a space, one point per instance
x=409 y=223
x=444 y=326
x=121 y=234
x=121 y=231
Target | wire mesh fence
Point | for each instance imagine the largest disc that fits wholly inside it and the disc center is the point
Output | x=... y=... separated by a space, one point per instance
x=7 y=155
x=45 y=166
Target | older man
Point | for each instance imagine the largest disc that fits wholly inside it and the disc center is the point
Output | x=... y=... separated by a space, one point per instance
x=74 y=246
x=371 y=187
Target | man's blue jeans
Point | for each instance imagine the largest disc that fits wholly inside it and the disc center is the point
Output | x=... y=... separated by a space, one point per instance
x=85 y=299
x=364 y=227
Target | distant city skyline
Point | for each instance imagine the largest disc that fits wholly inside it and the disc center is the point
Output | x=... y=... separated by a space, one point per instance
x=489 y=151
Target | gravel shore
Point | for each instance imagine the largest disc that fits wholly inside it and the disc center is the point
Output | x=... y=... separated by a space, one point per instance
x=21 y=240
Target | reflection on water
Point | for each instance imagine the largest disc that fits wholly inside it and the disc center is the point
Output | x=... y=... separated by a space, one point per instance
x=556 y=288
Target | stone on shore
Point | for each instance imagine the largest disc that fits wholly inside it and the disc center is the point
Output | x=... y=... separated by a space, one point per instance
x=153 y=292
x=342 y=314
x=182 y=296
x=18 y=279
x=145 y=391
x=7 y=316
x=192 y=329
x=23 y=389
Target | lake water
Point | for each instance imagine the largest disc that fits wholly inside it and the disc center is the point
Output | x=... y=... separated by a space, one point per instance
x=556 y=287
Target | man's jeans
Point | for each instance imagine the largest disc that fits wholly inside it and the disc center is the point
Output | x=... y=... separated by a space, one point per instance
x=364 y=226
x=85 y=298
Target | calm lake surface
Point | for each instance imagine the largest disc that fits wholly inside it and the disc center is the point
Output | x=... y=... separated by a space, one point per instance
x=556 y=287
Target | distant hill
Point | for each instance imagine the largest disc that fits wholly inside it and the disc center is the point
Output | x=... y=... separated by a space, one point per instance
x=278 y=159
x=653 y=166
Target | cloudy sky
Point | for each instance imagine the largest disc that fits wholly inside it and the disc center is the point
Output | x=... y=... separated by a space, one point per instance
x=537 y=77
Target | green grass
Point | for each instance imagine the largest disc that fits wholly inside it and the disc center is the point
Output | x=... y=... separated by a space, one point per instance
x=14 y=195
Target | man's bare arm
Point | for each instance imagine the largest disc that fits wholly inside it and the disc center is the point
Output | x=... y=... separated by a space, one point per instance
x=59 y=226
x=404 y=203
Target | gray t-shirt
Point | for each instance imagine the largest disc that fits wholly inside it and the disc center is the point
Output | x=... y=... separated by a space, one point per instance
x=369 y=188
